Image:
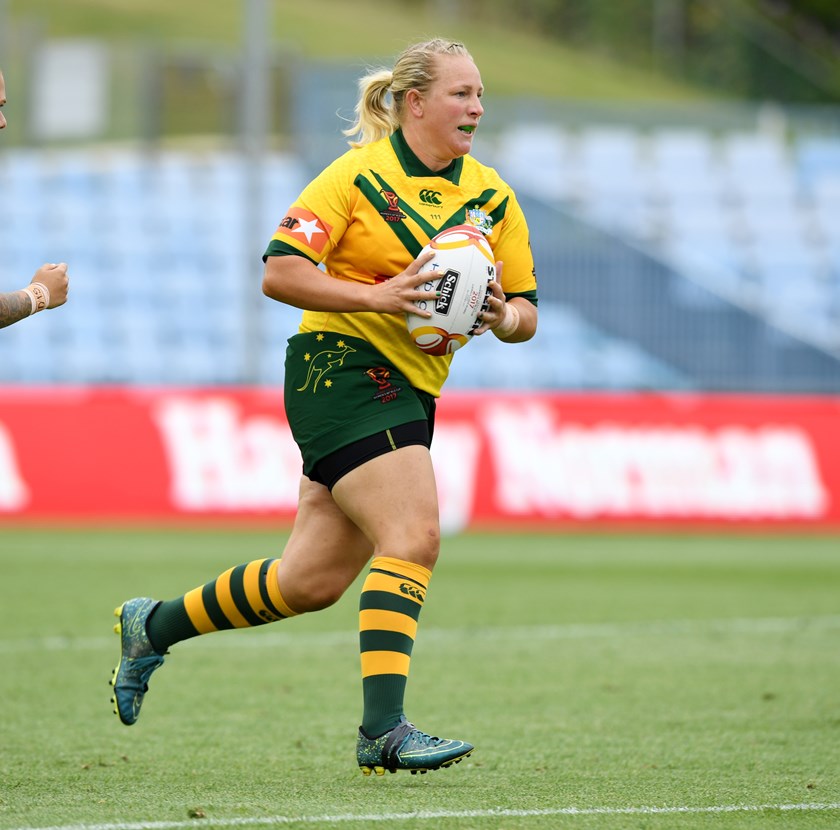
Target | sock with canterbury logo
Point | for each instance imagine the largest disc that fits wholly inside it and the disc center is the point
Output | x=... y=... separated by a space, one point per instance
x=389 y=607
x=242 y=597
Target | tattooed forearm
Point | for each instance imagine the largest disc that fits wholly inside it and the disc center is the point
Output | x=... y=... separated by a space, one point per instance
x=14 y=306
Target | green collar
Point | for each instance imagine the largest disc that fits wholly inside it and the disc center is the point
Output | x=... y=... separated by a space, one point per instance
x=412 y=166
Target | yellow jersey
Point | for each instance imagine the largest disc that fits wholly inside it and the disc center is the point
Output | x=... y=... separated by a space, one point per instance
x=368 y=215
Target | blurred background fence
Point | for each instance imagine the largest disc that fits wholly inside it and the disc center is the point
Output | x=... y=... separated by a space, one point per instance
x=678 y=162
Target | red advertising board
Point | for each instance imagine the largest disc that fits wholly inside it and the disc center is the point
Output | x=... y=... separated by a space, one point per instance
x=502 y=459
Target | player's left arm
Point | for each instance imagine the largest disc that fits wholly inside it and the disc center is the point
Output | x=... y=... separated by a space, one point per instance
x=512 y=306
x=512 y=319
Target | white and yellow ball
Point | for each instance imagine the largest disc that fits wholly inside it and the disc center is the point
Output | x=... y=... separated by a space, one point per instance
x=464 y=256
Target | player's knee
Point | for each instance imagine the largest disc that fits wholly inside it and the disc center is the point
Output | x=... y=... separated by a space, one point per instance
x=316 y=595
x=319 y=600
x=422 y=546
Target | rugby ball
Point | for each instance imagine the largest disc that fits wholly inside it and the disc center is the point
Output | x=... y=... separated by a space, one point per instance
x=465 y=258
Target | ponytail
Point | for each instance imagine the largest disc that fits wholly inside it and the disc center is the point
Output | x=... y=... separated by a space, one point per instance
x=382 y=91
x=375 y=116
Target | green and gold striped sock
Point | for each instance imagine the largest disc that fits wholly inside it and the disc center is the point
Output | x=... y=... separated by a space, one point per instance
x=392 y=596
x=241 y=597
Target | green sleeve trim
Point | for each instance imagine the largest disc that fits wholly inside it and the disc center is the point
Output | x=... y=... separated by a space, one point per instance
x=530 y=296
x=277 y=248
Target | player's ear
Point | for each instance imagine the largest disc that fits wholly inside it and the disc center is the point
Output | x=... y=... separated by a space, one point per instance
x=414 y=102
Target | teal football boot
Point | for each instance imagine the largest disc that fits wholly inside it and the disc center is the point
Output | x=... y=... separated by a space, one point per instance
x=137 y=660
x=406 y=747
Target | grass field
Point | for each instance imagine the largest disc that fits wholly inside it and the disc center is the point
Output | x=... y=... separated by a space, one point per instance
x=615 y=681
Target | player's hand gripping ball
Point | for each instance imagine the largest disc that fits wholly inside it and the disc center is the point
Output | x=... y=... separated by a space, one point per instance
x=464 y=256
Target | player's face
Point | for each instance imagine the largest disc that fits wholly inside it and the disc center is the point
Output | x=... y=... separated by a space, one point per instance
x=452 y=108
x=2 y=101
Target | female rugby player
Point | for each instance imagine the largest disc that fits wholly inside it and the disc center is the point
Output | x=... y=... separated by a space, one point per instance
x=359 y=396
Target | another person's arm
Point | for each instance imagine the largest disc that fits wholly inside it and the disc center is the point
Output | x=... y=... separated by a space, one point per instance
x=47 y=289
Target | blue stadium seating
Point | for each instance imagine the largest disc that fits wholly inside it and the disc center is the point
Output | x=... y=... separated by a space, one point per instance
x=165 y=252
x=754 y=216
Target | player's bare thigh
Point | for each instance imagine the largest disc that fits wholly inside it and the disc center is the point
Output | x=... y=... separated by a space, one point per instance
x=325 y=552
x=393 y=499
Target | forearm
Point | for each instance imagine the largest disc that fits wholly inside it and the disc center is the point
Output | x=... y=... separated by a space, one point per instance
x=297 y=282
x=14 y=306
x=520 y=322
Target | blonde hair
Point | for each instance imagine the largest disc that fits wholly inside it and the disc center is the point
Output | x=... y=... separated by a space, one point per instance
x=382 y=92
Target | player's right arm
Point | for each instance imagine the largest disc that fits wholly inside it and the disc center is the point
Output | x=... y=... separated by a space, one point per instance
x=296 y=281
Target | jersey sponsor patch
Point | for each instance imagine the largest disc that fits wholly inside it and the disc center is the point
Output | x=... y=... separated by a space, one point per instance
x=304 y=227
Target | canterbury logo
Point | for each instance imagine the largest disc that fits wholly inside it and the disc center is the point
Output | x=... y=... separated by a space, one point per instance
x=412 y=591
x=430 y=197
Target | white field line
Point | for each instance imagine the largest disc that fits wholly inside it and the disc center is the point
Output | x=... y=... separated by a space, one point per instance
x=437 y=815
x=492 y=635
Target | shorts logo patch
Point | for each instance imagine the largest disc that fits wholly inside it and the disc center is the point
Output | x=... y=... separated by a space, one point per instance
x=382 y=378
x=323 y=362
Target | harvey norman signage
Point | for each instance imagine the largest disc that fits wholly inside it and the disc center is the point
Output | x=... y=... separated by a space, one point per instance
x=504 y=459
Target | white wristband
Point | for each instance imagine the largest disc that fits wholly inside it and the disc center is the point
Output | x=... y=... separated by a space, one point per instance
x=39 y=296
x=510 y=324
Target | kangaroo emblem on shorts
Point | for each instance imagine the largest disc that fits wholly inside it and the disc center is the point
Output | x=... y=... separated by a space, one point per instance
x=322 y=362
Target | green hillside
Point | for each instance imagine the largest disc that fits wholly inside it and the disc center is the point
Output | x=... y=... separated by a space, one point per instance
x=512 y=62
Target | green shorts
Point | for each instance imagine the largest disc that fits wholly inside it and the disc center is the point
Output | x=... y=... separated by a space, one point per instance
x=339 y=391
